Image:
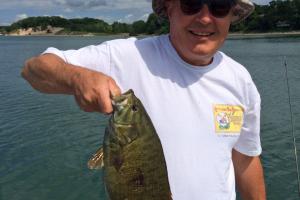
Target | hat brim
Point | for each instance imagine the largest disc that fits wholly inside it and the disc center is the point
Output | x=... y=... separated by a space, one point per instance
x=242 y=10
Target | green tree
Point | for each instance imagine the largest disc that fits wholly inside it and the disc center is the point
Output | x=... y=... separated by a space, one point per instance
x=277 y=16
x=118 y=27
x=138 y=27
x=152 y=24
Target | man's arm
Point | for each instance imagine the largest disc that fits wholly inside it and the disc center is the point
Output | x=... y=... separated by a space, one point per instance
x=249 y=176
x=48 y=73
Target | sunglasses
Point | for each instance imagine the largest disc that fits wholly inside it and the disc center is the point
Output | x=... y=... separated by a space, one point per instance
x=218 y=8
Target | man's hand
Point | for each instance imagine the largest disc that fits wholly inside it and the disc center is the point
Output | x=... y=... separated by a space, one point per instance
x=92 y=90
x=249 y=176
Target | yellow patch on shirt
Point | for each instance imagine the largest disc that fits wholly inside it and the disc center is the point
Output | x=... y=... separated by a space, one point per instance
x=228 y=119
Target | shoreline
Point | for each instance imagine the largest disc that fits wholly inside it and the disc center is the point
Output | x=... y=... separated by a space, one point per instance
x=263 y=35
x=230 y=35
x=66 y=35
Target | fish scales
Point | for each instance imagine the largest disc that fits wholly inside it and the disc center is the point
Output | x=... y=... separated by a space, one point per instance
x=134 y=163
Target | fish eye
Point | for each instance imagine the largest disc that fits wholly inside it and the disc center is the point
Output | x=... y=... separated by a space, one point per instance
x=134 y=108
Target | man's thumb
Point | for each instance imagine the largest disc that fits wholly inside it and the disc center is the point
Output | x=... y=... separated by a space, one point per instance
x=113 y=88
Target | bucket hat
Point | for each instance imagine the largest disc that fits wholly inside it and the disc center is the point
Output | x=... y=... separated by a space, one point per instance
x=242 y=9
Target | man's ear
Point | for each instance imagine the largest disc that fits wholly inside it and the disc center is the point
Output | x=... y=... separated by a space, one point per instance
x=169 y=4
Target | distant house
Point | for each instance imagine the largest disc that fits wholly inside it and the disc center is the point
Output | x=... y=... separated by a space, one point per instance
x=282 y=24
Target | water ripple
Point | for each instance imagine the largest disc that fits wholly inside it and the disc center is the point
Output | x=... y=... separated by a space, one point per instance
x=45 y=140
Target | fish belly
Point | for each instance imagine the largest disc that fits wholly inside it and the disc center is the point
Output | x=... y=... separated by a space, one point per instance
x=137 y=170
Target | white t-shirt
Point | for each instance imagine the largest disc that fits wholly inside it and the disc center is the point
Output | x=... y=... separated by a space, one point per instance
x=200 y=113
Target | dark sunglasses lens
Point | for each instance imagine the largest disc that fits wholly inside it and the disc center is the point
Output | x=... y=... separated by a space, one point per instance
x=220 y=8
x=190 y=7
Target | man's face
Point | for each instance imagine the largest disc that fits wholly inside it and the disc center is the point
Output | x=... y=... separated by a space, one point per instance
x=196 y=37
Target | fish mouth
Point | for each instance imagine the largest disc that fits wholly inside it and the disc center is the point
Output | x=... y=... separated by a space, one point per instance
x=125 y=96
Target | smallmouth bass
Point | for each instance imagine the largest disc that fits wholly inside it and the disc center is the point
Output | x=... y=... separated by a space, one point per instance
x=132 y=154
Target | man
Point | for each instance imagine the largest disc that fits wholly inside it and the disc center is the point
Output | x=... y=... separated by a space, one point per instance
x=204 y=105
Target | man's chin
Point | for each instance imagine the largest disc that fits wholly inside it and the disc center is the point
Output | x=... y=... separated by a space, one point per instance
x=200 y=58
x=202 y=52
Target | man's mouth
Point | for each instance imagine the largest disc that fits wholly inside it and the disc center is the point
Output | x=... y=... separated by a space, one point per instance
x=202 y=34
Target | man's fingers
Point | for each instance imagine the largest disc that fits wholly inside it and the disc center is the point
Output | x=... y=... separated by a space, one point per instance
x=113 y=88
x=95 y=94
x=82 y=104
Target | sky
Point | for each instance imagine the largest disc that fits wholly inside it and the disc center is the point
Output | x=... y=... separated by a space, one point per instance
x=108 y=10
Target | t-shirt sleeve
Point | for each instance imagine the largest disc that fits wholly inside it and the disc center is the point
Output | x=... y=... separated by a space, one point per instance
x=249 y=141
x=92 y=57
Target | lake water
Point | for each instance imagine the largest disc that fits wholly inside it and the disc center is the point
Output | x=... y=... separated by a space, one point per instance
x=45 y=140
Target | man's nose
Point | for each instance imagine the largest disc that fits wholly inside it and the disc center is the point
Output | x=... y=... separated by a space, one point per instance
x=204 y=16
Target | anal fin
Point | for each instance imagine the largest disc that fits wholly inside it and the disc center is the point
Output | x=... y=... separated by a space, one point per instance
x=96 y=162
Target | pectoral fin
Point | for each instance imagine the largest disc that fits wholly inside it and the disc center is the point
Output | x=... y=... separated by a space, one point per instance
x=96 y=162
